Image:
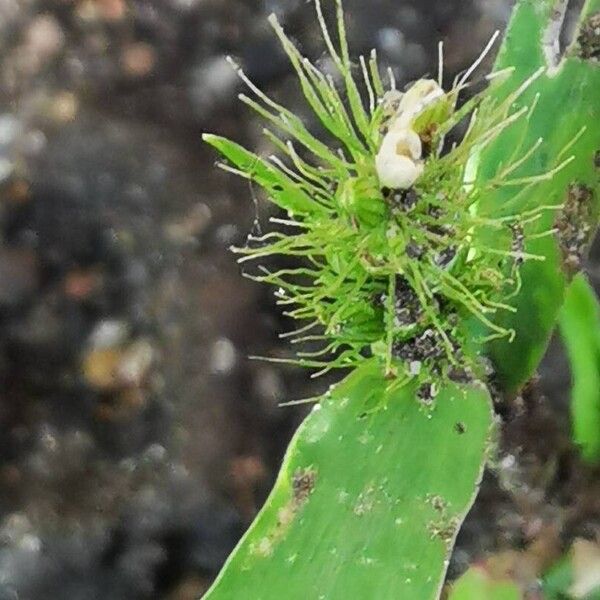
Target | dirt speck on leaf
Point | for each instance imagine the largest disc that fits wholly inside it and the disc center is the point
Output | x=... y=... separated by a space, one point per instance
x=303 y=484
x=438 y=503
x=460 y=427
x=589 y=38
x=444 y=529
x=366 y=501
x=573 y=226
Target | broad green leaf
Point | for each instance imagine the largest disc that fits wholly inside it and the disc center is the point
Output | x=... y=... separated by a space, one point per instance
x=476 y=584
x=580 y=330
x=369 y=499
x=566 y=117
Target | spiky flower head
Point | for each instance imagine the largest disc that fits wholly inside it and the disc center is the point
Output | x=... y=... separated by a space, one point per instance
x=393 y=251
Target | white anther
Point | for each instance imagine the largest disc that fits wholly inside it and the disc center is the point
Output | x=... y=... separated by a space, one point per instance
x=420 y=96
x=398 y=161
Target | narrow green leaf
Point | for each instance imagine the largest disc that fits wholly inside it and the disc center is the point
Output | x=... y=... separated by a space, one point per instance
x=558 y=580
x=283 y=191
x=476 y=584
x=292 y=125
x=580 y=330
x=320 y=96
x=369 y=499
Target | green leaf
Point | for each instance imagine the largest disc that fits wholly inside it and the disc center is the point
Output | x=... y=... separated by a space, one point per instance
x=476 y=584
x=580 y=329
x=574 y=576
x=369 y=499
x=568 y=100
x=283 y=191
x=558 y=580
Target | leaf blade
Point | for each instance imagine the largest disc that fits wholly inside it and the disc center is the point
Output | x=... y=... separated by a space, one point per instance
x=567 y=101
x=477 y=584
x=579 y=322
x=389 y=493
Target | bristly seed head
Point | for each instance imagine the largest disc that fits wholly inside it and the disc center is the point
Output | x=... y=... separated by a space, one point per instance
x=391 y=244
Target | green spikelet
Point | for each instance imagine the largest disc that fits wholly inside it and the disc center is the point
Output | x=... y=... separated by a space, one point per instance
x=381 y=271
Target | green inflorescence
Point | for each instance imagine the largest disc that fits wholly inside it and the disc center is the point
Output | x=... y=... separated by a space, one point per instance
x=383 y=271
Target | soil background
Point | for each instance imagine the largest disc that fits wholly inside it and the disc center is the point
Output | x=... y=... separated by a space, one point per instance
x=137 y=441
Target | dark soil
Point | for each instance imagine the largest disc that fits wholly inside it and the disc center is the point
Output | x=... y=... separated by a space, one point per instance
x=136 y=440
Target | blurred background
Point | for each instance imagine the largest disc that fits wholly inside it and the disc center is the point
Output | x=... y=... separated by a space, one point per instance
x=136 y=440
